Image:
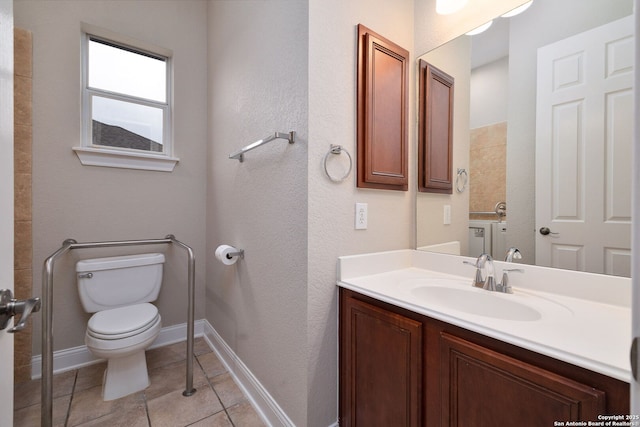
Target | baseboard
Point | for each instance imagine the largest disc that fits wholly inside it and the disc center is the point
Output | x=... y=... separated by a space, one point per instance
x=260 y=398
x=77 y=357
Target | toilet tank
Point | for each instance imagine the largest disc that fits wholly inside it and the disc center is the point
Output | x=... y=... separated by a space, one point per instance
x=111 y=282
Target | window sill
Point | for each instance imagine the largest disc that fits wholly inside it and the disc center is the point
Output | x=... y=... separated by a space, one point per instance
x=91 y=156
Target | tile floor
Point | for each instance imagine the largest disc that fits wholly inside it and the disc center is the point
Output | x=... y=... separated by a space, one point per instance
x=77 y=397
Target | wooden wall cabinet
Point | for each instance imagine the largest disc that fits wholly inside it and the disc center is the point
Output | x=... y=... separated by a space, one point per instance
x=435 y=130
x=382 y=112
x=465 y=378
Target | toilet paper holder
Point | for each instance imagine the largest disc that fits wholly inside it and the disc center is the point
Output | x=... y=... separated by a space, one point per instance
x=239 y=253
x=228 y=255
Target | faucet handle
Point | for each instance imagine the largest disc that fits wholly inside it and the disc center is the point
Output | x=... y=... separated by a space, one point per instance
x=505 y=286
x=478 y=282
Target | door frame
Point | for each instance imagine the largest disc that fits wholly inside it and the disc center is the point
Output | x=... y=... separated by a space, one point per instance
x=6 y=199
x=635 y=222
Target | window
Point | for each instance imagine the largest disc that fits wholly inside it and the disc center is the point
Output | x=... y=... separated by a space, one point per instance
x=126 y=103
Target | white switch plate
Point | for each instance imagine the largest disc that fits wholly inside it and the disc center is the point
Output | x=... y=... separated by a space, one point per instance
x=447 y=214
x=361 y=216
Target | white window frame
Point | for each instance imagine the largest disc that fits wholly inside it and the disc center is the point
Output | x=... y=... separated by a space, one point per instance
x=117 y=157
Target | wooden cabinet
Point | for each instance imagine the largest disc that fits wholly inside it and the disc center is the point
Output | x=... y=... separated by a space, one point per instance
x=435 y=130
x=401 y=366
x=481 y=387
x=382 y=112
x=374 y=341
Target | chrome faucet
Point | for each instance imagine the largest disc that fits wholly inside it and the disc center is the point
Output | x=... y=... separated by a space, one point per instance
x=513 y=253
x=478 y=281
x=484 y=262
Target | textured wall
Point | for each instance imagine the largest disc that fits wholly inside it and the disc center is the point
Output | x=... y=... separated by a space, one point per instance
x=94 y=203
x=258 y=83
x=332 y=120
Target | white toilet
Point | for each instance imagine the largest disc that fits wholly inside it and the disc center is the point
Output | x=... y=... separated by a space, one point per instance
x=119 y=291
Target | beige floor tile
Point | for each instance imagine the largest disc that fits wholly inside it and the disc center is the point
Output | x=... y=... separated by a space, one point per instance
x=166 y=355
x=173 y=409
x=200 y=346
x=88 y=405
x=172 y=378
x=211 y=365
x=131 y=417
x=243 y=415
x=28 y=393
x=227 y=390
x=90 y=376
x=162 y=402
x=217 y=420
x=31 y=416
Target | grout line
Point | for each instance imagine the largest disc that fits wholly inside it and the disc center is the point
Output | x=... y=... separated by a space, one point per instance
x=146 y=408
x=73 y=393
x=224 y=408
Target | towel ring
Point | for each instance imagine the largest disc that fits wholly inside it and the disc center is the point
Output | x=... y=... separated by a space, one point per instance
x=461 y=180
x=337 y=149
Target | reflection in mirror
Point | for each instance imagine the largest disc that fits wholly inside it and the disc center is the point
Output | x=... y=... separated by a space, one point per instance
x=535 y=132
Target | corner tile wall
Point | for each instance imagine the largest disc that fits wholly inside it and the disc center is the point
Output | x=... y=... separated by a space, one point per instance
x=22 y=182
x=487 y=169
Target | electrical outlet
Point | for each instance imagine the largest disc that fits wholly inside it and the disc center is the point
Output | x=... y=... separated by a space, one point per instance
x=361 y=216
x=447 y=215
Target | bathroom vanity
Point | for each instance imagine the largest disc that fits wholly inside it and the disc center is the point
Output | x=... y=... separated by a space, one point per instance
x=419 y=346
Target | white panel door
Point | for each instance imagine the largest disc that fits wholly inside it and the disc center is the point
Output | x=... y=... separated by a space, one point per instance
x=6 y=201
x=584 y=132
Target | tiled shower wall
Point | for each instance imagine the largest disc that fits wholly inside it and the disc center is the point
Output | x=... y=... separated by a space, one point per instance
x=22 y=201
x=487 y=169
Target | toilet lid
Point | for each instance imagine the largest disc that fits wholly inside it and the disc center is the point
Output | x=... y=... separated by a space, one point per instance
x=122 y=320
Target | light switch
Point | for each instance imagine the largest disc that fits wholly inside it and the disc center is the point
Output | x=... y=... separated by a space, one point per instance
x=361 y=216
x=447 y=214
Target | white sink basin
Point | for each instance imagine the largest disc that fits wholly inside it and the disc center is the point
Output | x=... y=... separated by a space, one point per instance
x=479 y=303
x=475 y=301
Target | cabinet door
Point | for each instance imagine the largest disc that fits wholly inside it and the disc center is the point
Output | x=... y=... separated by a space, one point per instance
x=380 y=367
x=435 y=130
x=483 y=388
x=382 y=112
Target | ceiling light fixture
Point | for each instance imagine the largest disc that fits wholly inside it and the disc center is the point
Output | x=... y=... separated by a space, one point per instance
x=482 y=28
x=447 y=7
x=518 y=10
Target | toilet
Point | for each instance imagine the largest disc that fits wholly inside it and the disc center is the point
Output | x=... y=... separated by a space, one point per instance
x=119 y=291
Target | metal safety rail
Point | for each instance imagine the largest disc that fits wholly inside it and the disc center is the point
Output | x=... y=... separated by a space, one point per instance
x=47 y=314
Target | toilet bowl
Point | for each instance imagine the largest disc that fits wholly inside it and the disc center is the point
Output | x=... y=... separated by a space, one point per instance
x=118 y=290
x=121 y=336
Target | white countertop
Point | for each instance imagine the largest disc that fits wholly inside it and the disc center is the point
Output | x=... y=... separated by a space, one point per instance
x=586 y=318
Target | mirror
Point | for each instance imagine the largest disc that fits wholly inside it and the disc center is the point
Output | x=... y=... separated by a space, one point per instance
x=499 y=132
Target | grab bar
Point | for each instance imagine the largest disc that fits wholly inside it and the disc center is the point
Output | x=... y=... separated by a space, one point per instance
x=46 y=413
x=239 y=155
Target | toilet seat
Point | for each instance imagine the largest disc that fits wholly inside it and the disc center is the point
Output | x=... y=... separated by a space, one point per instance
x=122 y=322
